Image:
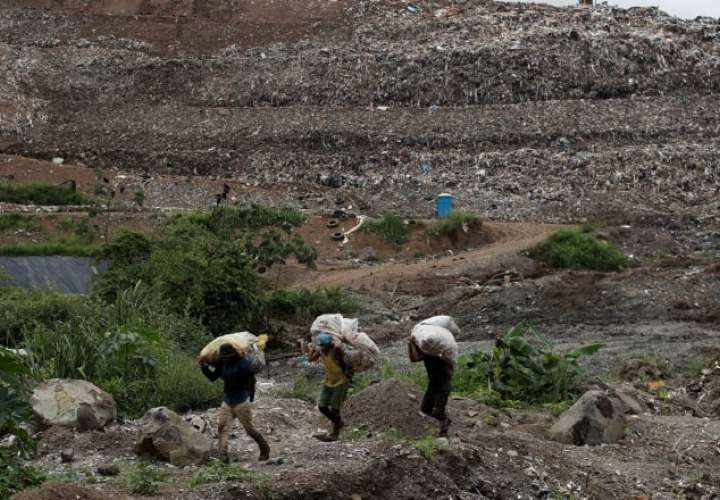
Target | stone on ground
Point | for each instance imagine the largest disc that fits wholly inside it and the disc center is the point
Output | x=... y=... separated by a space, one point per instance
x=166 y=436
x=594 y=419
x=73 y=403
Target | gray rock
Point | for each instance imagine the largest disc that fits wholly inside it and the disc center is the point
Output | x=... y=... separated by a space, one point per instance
x=594 y=419
x=108 y=470
x=631 y=405
x=61 y=402
x=166 y=436
x=67 y=456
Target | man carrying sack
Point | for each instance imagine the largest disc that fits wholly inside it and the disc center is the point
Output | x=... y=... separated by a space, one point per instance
x=236 y=371
x=440 y=373
x=335 y=388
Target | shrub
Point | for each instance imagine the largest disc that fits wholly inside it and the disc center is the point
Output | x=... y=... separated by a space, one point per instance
x=304 y=305
x=16 y=221
x=14 y=393
x=570 y=248
x=452 y=224
x=517 y=373
x=143 y=479
x=41 y=194
x=208 y=266
x=23 y=309
x=392 y=228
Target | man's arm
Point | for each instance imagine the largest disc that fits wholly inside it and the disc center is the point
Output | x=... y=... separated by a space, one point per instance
x=212 y=374
x=414 y=352
x=313 y=354
x=339 y=357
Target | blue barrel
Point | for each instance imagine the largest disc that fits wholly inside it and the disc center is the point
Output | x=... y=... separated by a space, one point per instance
x=444 y=205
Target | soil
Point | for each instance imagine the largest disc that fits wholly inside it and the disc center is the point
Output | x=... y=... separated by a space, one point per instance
x=533 y=117
x=66 y=491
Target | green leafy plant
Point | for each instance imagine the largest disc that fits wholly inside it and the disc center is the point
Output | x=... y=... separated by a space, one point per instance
x=14 y=392
x=39 y=193
x=304 y=305
x=17 y=221
x=143 y=479
x=569 y=248
x=217 y=472
x=428 y=446
x=451 y=224
x=392 y=228
x=519 y=373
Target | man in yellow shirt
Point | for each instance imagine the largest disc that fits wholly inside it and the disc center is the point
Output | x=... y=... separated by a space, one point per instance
x=334 y=390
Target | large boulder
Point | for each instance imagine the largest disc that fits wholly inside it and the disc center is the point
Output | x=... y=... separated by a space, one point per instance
x=73 y=403
x=594 y=419
x=166 y=436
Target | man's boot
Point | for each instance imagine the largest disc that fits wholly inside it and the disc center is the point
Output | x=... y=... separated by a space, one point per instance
x=264 y=447
x=444 y=426
x=337 y=427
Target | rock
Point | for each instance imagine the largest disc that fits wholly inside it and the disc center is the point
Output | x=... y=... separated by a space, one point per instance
x=594 y=419
x=631 y=406
x=59 y=401
x=108 y=470
x=166 y=436
x=67 y=456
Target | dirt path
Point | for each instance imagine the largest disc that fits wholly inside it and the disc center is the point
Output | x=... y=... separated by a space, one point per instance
x=507 y=240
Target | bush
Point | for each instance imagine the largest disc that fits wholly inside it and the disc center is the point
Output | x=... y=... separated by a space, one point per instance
x=39 y=193
x=130 y=347
x=208 y=266
x=452 y=224
x=16 y=221
x=304 y=305
x=143 y=479
x=575 y=249
x=14 y=394
x=392 y=228
x=517 y=373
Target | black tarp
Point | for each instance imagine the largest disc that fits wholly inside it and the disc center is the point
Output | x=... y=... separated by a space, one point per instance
x=65 y=274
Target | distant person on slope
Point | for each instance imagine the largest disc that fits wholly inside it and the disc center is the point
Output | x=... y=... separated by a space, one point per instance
x=238 y=378
x=335 y=388
x=440 y=373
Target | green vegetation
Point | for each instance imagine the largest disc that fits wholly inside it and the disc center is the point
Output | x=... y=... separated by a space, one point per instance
x=303 y=387
x=518 y=373
x=217 y=472
x=39 y=193
x=579 y=249
x=305 y=305
x=428 y=446
x=14 y=393
x=71 y=246
x=392 y=228
x=129 y=347
x=143 y=479
x=16 y=221
x=208 y=266
x=452 y=224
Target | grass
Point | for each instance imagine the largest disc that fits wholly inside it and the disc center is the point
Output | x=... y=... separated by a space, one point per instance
x=70 y=246
x=16 y=221
x=217 y=472
x=39 y=193
x=579 y=249
x=391 y=226
x=451 y=224
x=415 y=376
x=142 y=479
x=305 y=305
x=428 y=446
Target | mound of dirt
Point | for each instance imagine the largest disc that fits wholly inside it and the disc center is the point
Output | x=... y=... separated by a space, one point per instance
x=64 y=491
x=387 y=405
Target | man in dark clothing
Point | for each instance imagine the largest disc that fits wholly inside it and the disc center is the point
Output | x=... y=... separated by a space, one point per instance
x=238 y=378
x=440 y=373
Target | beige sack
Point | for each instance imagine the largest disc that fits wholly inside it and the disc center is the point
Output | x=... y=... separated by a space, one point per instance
x=243 y=342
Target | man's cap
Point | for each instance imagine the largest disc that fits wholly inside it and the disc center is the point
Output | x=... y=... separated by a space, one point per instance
x=324 y=339
x=227 y=350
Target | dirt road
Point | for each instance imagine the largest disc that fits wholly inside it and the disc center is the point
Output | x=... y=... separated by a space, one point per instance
x=508 y=239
